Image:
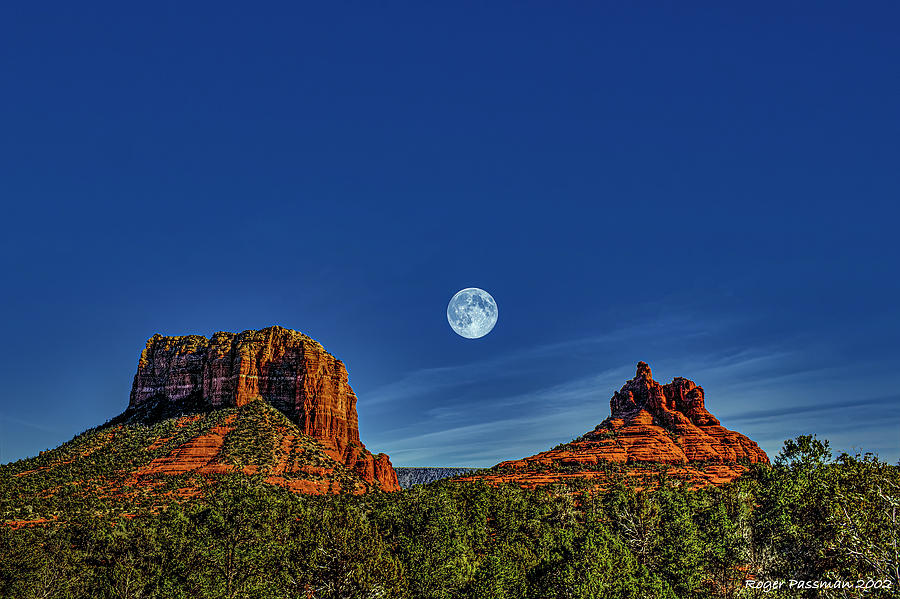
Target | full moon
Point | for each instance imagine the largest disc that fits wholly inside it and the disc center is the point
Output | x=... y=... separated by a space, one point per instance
x=472 y=313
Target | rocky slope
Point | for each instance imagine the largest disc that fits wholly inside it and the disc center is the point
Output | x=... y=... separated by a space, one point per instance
x=284 y=368
x=134 y=463
x=271 y=404
x=651 y=427
x=410 y=476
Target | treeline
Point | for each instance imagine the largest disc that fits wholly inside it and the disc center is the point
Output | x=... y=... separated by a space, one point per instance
x=808 y=517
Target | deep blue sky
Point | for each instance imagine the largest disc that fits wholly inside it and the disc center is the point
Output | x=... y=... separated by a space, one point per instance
x=711 y=189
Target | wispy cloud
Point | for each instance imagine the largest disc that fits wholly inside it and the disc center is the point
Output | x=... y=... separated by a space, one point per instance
x=28 y=423
x=509 y=365
x=890 y=402
x=481 y=413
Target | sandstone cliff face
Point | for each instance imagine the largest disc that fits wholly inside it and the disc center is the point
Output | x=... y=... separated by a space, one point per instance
x=644 y=414
x=287 y=369
x=649 y=423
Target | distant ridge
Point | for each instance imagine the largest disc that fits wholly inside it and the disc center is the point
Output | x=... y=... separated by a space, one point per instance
x=411 y=476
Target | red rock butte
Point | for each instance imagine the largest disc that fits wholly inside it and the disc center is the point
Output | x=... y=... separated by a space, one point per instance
x=649 y=423
x=287 y=369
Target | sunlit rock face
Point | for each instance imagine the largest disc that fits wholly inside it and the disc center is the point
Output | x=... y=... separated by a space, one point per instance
x=643 y=413
x=649 y=423
x=287 y=369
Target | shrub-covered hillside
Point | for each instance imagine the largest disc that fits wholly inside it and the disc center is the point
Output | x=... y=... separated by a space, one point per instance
x=130 y=465
x=808 y=517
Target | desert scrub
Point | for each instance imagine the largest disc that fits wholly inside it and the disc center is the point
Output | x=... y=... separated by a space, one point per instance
x=256 y=438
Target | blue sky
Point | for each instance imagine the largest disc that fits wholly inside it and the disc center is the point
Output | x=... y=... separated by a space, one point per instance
x=710 y=189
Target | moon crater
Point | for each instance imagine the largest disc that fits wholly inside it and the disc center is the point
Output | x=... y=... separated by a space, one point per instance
x=472 y=313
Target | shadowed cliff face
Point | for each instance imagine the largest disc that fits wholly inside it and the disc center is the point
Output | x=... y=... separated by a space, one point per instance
x=649 y=423
x=285 y=368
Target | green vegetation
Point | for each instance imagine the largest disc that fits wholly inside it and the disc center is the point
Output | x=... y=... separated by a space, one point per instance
x=96 y=470
x=807 y=517
x=93 y=468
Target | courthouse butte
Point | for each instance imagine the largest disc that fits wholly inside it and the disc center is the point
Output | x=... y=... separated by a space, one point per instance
x=281 y=368
x=271 y=404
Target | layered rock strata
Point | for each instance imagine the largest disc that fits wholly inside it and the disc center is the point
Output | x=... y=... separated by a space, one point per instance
x=287 y=369
x=649 y=424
